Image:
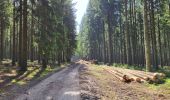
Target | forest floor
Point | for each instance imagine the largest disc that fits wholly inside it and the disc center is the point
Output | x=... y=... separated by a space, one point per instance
x=85 y=81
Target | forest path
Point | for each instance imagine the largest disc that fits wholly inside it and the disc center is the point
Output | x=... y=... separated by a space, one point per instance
x=63 y=85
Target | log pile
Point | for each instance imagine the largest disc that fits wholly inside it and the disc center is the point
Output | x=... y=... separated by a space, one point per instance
x=127 y=75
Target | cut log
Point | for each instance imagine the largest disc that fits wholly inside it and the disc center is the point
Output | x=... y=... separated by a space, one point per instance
x=117 y=76
x=159 y=76
x=140 y=75
x=147 y=76
x=132 y=77
x=127 y=75
x=122 y=77
x=126 y=79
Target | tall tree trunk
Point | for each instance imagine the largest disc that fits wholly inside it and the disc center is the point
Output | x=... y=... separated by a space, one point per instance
x=14 y=43
x=127 y=33
x=110 y=30
x=159 y=43
x=32 y=36
x=2 y=40
x=24 y=36
x=20 y=36
x=146 y=38
x=104 y=42
x=155 y=63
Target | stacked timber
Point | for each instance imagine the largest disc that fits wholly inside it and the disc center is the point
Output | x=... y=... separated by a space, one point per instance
x=127 y=75
x=119 y=76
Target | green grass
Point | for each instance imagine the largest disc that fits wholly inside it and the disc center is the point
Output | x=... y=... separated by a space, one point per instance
x=129 y=66
x=35 y=74
x=28 y=76
x=49 y=70
x=164 y=88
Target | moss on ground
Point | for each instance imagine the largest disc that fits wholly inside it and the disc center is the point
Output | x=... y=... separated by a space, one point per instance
x=11 y=78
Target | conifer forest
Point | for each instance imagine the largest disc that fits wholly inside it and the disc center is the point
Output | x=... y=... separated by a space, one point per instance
x=84 y=49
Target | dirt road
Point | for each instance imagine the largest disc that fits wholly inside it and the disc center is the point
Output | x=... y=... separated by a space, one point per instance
x=63 y=85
